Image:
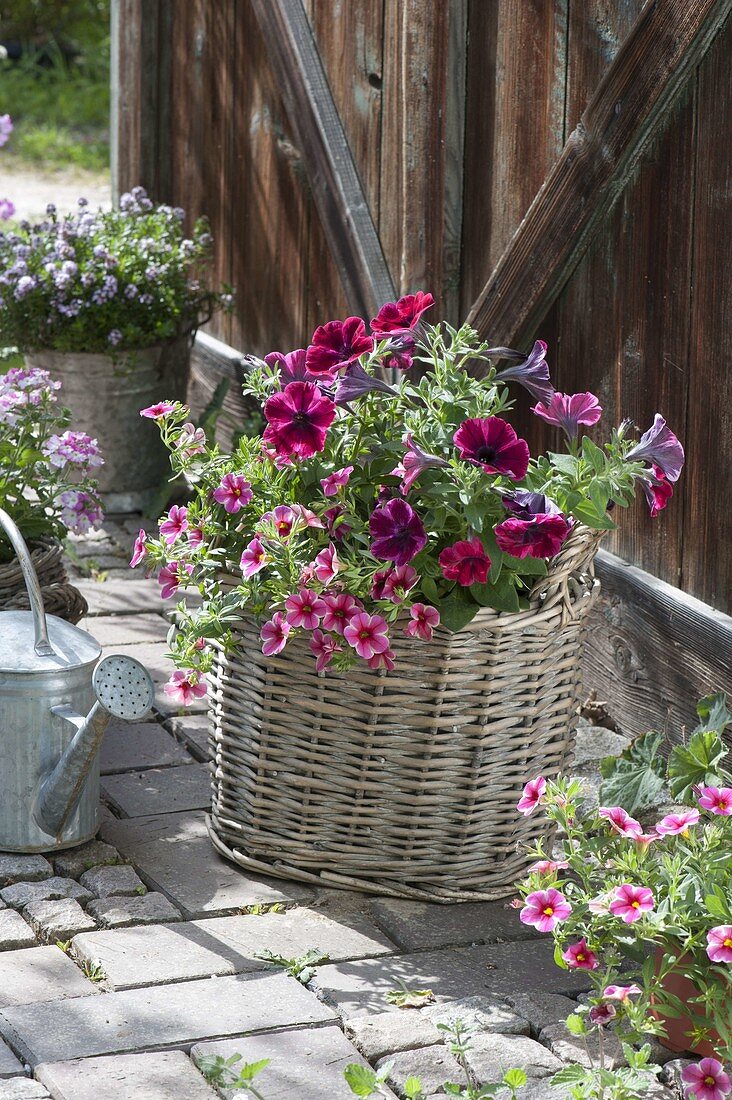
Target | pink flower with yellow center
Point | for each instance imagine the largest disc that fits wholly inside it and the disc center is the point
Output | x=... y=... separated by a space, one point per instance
x=175 y=524
x=234 y=492
x=159 y=411
x=423 y=620
x=545 y=909
x=139 y=550
x=323 y=646
x=532 y=795
x=621 y=821
x=170 y=578
x=184 y=687
x=548 y=866
x=326 y=565
x=718 y=800
x=335 y=481
x=631 y=902
x=706 y=1080
x=619 y=992
x=304 y=609
x=367 y=634
x=719 y=943
x=253 y=558
x=274 y=634
x=338 y=611
x=578 y=956
x=673 y=824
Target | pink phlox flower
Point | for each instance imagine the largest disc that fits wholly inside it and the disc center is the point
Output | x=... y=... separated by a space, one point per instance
x=619 y=992
x=335 y=481
x=184 y=687
x=659 y=446
x=540 y=537
x=234 y=492
x=323 y=646
x=568 y=410
x=304 y=609
x=602 y=1015
x=657 y=488
x=274 y=634
x=545 y=909
x=578 y=956
x=532 y=795
x=673 y=824
x=174 y=526
x=253 y=558
x=397 y=531
x=75 y=448
x=621 y=821
x=706 y=1080
x=491 y=443
x=465 y=562
x=532 y=374
x=367 y=634
x=423 y=621
x=402 y=316
x=339 y=609
x=170 y=577
x=718 y=800
x=415 y=460
x=631 y=902
x=326 y=565
x=159 y=411
x=298 y=420
x=139 y=550
x=79 y=511
x=548 y=866
x=191 y=441
x=337 y=344
x=719 y=943
x=382 y=660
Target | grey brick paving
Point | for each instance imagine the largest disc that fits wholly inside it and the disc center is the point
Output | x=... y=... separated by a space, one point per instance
x=158 y=1017
x=541 y=1009
x=165 y=1075
x=131 y=746
x=73 y=863
x=159 y=790
x=570 y=1048
x=125 y=630
x=118 y=881
x=120 y=597
x=491 y=1055
x=14 y=931
x=20 y=868
x=57 y=920
x=193 y=729
x=9 y=1064
x=39 y=974
x=433 y=1065
x=22 y=1088
x=49 y=889
x=151 y=908
x=482 y=1014
x=173 y=853
x=387 y=1032
x=418 y=926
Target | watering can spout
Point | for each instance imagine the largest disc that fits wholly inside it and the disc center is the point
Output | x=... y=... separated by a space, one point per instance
x=61 y=789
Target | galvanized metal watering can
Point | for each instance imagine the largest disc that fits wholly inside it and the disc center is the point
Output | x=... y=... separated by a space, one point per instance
x=56 y=698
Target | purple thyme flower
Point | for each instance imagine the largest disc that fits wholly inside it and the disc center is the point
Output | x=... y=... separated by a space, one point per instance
x=660 y=446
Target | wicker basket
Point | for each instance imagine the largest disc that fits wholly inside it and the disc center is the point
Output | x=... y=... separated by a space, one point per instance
x=403 y=783
x=59 y=597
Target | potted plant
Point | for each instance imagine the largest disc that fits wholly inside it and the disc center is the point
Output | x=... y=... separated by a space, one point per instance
x=647 y=911
x=108 y=302
x=46 y=482
x=394 y=595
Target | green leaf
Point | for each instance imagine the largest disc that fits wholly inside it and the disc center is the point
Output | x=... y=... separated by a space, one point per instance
x=413 y=1088
x=457 y=609
x=713 y=712
x=592 y=454
x=694 y=763
x=361 y=1080
x=528 y=567
x=502 y=595
x=576 y=1024
x=634 y=780
x=566 y=464
x=515 y=1078
x=410 y=998
x=429 y=590
x=251 y=1069
x=592 y=516
x=570 y=1075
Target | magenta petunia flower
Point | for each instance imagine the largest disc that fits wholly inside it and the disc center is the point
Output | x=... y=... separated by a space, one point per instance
x=253 y=558
x=397 y=531
x=578 y=956
x=621 y=821
x=539 y=537
x=234 y=492
x=399 y=354
x=706 y=1080
x=174 y=526
x=568 y=410
x=291 y=366
x=631 y=902
x=718 y=800
x=658 y=490
x=532 y=795
x=548 y=866
x=423 y=621
x=304 y=609
x=398 y=317
x=274 y=634
x=673 y=824
x=184 y=687
x=532 y=374
x=465 y=562
x=414 y=462
x=339 y=610
x=660 y=446
x=159 y=411
x=356 y=382
x=170 y=578
x=719 y=943
x=139 y=550
x=619 y=992
x=299 y=417
x=337 y=344
x=326 y=565
x=335 y=481
x=323 y=646
x=492 y=443
x=367 y=634
x=524 y=504
x=382 y=660
x=545 y=909
x=602 y=1015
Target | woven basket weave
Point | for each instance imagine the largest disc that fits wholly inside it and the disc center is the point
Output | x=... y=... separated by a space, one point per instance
x=402 y=783
x=59 y=597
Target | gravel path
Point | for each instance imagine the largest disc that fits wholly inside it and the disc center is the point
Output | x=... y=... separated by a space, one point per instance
x=31 y=189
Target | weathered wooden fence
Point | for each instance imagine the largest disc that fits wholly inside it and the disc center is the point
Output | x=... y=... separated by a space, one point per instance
x=553 y=168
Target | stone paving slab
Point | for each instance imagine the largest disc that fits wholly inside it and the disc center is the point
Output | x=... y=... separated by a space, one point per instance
x=125 y=630
x=170 y=1016
x=19 y=868
x=15 y=933
x=490 y=1056
x=9 y=1064
x=387 y=1032
x=22 y=1088
x=419 y=926
x=118 y=881
x=359 y=988
x=76 y=861
x=193 y=729
x=57 y=920
x=151 y=908
x=136 y=957
x=21 y=894
x=174 y=854
x=304 y=1065
x=433 y=1065
x=40 y=974
x=119 y=597
x=165 y=1075
x=132 y=746
x=159 y=790
x=595 y=742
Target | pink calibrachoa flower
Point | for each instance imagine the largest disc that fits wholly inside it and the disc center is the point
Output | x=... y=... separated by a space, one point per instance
x=274 y=634
x=548 y=866
x=284 y=520
x=706 y=1080
x=545 y=909
x=465 y=562
x=382 y=660
x=234 y=492
x=424 y=619
x=139 y=550
x=619 y=992
x=298 y=419
x=337 y=344
x=323 y=646
x=195 y=537
x=718 y=800
x=394 y=584
x=578 y=956
x=338 y=611
x=673 y=824
x=568 y=410
x=658 y=490
x=719 y=943
x=532 y=795
x=174 y=526
x=602 y=1015
x=397 y=532
x=191 y=441
x=399 y=317
x=326 y=565
x=540 y=537
x=659 y=446
x=304 y=517
x=492 y=443
x=621 y=821
x=304 y=609
x=253 y=558
x=170 y=578
x=335 y=481
x=368 y=634
x=631 y=902
x=159 y=411
x=184 y=687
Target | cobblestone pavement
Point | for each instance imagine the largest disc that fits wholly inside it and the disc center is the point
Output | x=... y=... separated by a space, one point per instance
x=127 y=961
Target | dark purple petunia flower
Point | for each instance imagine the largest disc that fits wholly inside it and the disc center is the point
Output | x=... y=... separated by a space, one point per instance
x=492 y=443
x=401 y=316
x=539 y=537
x=532 y=374
x=291 y=366
x=337 y=344
x=568 y=410
x=525 y=504
x=356 y=382
x=660 y=446
x=299 y=418
x=397 y=531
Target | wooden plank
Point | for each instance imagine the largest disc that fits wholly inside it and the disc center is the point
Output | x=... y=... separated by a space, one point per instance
x=667 y=42
x=652 y=651
x=334 y=180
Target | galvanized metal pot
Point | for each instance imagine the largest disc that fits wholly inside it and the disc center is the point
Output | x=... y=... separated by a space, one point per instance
x=105 y=398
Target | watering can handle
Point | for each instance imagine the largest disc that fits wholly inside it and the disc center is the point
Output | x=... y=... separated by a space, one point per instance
x=33 y=588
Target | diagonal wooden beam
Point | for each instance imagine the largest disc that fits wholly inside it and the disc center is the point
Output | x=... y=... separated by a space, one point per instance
x=318 y=130
x=628 y=109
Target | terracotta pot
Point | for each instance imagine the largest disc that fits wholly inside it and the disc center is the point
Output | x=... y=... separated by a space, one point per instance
x=679 y=1029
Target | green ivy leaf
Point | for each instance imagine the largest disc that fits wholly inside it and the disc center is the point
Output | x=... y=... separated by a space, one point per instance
x=695 y=763
x=635 y=779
